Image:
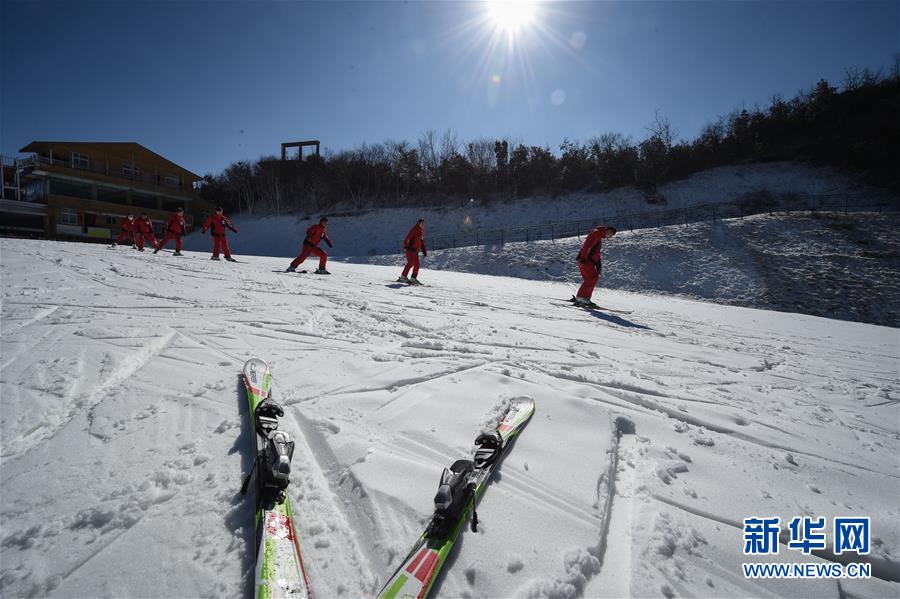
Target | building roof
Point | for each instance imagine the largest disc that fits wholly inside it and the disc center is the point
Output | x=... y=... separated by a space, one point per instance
x=123 y=147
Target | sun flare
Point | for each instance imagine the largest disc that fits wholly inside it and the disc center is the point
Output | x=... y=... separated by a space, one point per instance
x=511 y=15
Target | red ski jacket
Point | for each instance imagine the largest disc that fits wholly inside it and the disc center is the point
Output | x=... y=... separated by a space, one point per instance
x=144 y=226
x=176 y=225
x=217 y=224
x=127 y=224
x=315 y=234
x=415 y=240
x=590 y=251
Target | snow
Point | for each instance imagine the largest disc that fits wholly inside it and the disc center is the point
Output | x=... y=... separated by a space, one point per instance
x=124 y=431
x=844 y=266
x=836 y=265
x=375 y=232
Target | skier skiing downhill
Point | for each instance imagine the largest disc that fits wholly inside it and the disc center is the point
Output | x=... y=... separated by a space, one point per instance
x=590 y=264
x=175 y=228
x=413 y=244
x=144 y=232
x=127 y=227
x=217 y=223
x=314 y=235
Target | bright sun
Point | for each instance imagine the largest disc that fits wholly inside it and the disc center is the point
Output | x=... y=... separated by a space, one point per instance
x=511 y=15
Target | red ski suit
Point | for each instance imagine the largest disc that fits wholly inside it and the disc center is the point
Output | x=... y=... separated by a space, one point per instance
x=413 y=243
x=144 y=232
x=127 y=226
x=314 y=235
x=175 y=228
x=217 y=223
x=590 y=262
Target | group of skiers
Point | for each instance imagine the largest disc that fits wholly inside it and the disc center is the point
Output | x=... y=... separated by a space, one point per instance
x=137 y=231
x=141 y=230
x=413 y=243
x=589 y=258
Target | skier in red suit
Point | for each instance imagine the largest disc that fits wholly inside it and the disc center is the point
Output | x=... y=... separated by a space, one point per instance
x=314 y=235
x=590 y=264
x=217 y=223
x=144 y=232
x=127 y=227
x=413 y=243
x=175 y=228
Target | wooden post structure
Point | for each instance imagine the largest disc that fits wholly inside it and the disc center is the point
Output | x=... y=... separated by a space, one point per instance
x=299 y=144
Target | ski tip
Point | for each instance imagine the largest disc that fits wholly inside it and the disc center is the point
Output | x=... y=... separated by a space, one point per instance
x=256 y=362
x=523 y=404
x=522 y=400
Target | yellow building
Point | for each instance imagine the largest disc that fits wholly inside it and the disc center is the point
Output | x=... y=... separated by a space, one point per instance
x=66 y=190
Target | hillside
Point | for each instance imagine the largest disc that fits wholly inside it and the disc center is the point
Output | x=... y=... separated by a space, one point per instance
x=124 y=434
x=826 y=264
x=832 y=265
x=375 y=232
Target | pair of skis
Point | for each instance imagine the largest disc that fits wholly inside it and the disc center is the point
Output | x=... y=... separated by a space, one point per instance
x=409 y=283
x=592 y=306
x=279 y=563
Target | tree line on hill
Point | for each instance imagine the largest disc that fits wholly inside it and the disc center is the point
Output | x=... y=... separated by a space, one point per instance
x=855 y=127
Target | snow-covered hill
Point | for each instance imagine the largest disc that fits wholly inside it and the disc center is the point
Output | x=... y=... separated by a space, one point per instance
x=833 y=265
x=381 y=231
x=844 y=266
x=124 y=433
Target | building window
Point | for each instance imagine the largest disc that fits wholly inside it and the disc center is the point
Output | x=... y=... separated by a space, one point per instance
x=131 y=170
x=70 y=189
x=172 y=180
x=80 y=161
x=34 y=191
x=67 y=216
x=113 y=196
x=141 y=200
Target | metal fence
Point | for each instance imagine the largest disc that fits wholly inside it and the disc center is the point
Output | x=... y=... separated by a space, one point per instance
x=751 y=204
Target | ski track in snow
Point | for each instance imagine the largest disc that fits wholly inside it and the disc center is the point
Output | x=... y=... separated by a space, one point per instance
x=655 y=432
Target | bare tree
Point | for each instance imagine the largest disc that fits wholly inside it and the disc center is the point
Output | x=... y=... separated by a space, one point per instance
x=662 y=130
x=428 y=153
x=449 y=146
x=481 y=155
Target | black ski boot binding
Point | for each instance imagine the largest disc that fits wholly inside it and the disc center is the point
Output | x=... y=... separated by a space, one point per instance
x=267 y=414
x=275 y=469
x=455 y=489
x=487 y=449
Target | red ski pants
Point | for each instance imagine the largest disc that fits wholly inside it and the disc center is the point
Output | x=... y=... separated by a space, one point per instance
x=220 y=244
x=140 y=238
x=123 y=235
x=591 y=275
x=166 y=239
x=412 y=261
x=304 y=254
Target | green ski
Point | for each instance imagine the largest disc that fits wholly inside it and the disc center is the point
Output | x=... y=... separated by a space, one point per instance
x=279 y=564
x=460 y=487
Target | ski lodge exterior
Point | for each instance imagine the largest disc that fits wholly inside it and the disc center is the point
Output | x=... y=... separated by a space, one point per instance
x=81 y=190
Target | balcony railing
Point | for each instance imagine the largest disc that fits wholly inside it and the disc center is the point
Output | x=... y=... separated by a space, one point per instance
x=125 y=171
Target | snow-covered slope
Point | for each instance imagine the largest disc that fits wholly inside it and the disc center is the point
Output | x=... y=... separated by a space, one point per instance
x=843 y=266
x=833 y=265
x=124 y=432
x=381 y=231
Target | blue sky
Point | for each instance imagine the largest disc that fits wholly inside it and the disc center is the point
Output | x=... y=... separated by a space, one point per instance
x=209 y=83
